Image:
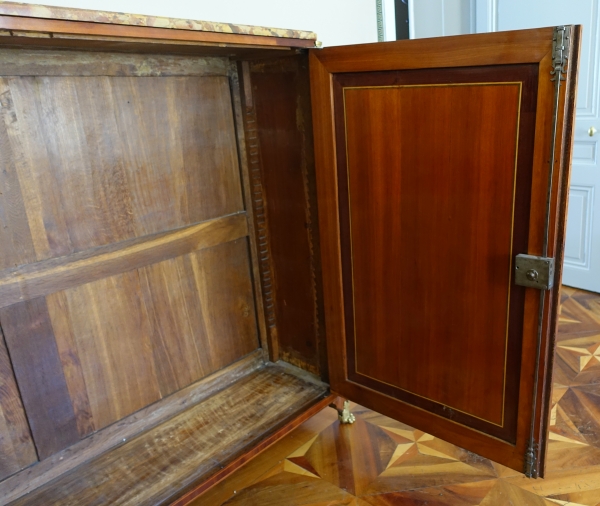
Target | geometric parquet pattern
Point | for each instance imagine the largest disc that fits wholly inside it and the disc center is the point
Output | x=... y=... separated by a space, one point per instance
x=380 y=462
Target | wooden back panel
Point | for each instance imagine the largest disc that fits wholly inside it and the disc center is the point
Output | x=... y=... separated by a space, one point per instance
x=16 y=446
x=124 y=254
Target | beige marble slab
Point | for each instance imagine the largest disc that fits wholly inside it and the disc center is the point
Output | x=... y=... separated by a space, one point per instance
x=119 y=18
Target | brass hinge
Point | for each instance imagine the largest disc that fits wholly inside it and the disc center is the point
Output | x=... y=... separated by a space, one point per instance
x=560 y=51
x=531 y=458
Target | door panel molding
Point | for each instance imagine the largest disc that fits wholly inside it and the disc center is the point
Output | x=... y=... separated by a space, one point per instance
x=486 y=16
x=584 y=152
x=581 y=198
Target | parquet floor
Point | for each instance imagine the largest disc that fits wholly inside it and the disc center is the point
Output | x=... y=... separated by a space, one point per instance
x=380 y=462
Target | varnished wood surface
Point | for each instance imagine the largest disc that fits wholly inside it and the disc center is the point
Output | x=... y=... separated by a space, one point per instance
x=379 y=462
x=16 y=446
x=120 y=169
x=153 y=467
x=421 y=196
x=282 y=102
x=114 y=435
x=48 y=276
x=497 y=48
x=443 y=53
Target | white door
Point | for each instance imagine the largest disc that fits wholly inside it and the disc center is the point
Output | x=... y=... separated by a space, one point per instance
x=582 y=253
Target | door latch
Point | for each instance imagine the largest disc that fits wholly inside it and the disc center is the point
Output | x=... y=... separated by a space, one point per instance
x=534 y=272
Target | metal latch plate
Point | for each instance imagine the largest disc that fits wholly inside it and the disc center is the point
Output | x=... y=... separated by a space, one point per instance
x=534 y=272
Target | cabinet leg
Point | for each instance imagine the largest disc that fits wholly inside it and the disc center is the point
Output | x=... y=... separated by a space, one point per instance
x=344 y=414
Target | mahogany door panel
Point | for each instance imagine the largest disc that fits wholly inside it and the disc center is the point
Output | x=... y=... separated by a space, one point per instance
x=431 y=182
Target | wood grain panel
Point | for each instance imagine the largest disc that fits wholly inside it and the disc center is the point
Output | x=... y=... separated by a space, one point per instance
x=15 y=237
x=105 y=347
x=16 y=446
x=128 y=340
x=257 y=450
x=114 y=435
x=31 y=62
x=158 y=465
x=59 y=41
x=121 y=169
x=499 y=48
x=30 y=339
x=52 y=275
x=429 y=188
x=202 y=312
x=281 y=91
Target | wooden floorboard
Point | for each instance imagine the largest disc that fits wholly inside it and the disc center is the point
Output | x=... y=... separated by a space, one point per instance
x=156 y=466
x=378 y=461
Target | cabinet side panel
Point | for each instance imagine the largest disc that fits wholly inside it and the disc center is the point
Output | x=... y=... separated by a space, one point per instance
x=281 y=91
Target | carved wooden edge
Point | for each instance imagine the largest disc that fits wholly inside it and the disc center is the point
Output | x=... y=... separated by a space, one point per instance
x=119 y=432
x=247 y=196
x=564 y=178
x=255 y=201
x=265 y=444
x=298 y=65
x=312 y=219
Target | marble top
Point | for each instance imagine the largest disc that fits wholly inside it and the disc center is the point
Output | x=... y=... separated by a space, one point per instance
x=119 y=18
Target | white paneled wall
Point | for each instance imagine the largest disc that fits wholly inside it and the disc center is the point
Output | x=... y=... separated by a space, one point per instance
x=336 y=22
x=435 y=18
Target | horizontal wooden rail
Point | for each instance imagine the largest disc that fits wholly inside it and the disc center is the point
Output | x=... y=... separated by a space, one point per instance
x=49 y=276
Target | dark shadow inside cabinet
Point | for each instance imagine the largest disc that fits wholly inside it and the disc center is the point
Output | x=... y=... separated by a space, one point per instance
x=160 y=288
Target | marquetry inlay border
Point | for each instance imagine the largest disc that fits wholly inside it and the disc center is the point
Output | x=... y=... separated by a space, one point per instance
x=354 y=337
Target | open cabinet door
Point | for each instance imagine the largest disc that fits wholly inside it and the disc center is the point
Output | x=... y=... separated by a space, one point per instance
x=439 y=163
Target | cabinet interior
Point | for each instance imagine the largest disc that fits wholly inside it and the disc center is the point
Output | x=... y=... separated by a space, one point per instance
x=160 y=268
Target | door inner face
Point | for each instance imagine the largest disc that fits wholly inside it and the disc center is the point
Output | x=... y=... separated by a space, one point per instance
x=434 y=206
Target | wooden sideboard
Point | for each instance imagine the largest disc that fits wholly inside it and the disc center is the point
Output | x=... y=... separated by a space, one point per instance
x=210 y=231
